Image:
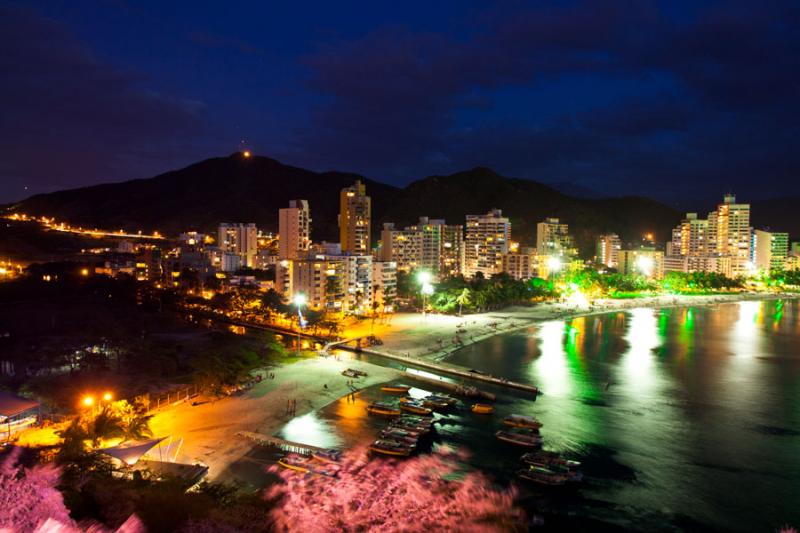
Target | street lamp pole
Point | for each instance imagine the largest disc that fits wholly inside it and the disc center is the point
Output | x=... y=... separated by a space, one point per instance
x=299 y=301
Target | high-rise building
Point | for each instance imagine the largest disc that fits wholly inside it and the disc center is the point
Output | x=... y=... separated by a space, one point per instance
x=692 y=236
x=520 y=264
x=403 y=246
x=553 y=239
x=645 y=261
x=729 y=233
x=452 y=256
x=294 y=228
x=239 y=239
x=431 y=251
x=769 y=250
x=608 y=247
x=384 y=284
x=355 y=210
x=486 y=241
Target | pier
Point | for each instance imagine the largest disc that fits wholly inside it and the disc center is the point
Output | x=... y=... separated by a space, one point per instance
x=440 y=367
x=281 y=444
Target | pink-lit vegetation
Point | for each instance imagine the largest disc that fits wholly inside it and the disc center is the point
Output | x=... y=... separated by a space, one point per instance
x=388 y=495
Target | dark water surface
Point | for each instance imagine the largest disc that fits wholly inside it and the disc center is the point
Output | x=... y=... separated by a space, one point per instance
x=684 y=418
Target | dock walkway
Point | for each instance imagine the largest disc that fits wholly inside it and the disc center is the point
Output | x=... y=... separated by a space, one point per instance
x=277 y=442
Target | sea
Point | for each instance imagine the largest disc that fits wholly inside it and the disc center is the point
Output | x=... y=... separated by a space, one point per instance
x=684 y=418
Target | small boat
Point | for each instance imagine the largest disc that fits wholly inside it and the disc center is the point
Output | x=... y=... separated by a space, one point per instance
x=400 y=435
x=396 y=388
x=541 y=477
x=353 y=373
x=390 y=447
x=435 y=401
x=482 y=408
x=328 y=456
x=519 y=438
x=520 y=421
x=411 y=426
x=297 y=462
x=383 y=409
x=413 y=406
x=548 y=458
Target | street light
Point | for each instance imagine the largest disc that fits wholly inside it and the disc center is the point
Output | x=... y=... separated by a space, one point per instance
x=299 y=301
x=107 y=397
x=553 y=265
x=645 y=264
x=88 y=401
x=424 y=279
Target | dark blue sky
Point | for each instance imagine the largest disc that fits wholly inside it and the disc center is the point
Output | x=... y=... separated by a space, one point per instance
x=673 y=100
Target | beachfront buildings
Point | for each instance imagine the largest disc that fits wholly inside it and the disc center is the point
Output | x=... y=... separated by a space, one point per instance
x=553 y=239
x=608 y=247
x=521 y=264
x=403 y=246
x=645 y=261
x=431 y=244
x=769 y=250
x=487 y=240
x=355 y=211
x=294 y=230
x=384 y=284
x=721 y=243
x=238 y=240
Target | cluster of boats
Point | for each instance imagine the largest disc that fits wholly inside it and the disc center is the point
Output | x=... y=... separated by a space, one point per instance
x=322 y=462
x=416 y=406
x=524 y=431
x=549 y=468
x=401 y=437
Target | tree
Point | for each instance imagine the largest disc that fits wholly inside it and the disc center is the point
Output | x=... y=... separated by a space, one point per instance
x=465 y=298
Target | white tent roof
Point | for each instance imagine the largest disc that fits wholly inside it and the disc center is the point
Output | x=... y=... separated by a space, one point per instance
x=130 y=452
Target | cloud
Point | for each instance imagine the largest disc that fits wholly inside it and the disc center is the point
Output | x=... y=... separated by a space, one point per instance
x=70 y=118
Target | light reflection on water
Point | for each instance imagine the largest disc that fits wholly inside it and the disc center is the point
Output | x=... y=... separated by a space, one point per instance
x=685 y=418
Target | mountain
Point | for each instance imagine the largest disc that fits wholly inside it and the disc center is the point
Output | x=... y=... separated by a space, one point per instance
x=240 y=189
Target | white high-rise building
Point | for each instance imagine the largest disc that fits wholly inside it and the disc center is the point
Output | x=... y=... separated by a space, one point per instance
x=294 y=228
x=553 y=239
x=729 y=234
x=403 y=246
x=239 y=239
x=608 y=247
x=355 y=211
x=770 y=250
x=486 y=242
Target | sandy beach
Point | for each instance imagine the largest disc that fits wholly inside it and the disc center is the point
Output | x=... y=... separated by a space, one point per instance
x=209 y=429
x=433 y=337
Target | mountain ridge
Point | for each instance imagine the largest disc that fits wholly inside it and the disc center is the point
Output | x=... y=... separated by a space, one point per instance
x=252 y=189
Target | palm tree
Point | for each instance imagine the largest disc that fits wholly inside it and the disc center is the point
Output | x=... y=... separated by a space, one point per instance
x=137 y=427
x=465 y=298
x=106 y=425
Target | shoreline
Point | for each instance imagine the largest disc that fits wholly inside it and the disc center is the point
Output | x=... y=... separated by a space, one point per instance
x=432 y=338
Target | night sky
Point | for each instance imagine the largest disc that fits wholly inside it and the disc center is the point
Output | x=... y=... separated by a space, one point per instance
x=677 y=100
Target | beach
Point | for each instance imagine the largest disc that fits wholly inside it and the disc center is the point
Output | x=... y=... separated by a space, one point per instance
x=209 y=429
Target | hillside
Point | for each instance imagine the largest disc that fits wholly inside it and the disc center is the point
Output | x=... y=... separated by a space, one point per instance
x=252 y=189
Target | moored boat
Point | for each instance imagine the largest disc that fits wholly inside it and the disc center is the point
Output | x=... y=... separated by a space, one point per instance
x=413 y=406
x=542 y=478
x=435 y=401
x=548 y=458
x=328 y=456
x=482 y=408
x=520 y=438
x=390 y=447
x=383 y=409
x=396 y=388
x=400 y=435
x=353 y=373
x=520 y=421
x=295 y=462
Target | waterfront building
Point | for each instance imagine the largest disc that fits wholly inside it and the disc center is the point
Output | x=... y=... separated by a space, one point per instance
x=355 y=210
x=608 y=247
x=553 y=239
x=644 y=261
x=294 y=230
x=521 y=264
x=729 y=234
x=452 y=254
x=384 y=284
x=239 y=239
x=403 y=246
x=486 y=241
x=769 y=250
x=691 y=236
